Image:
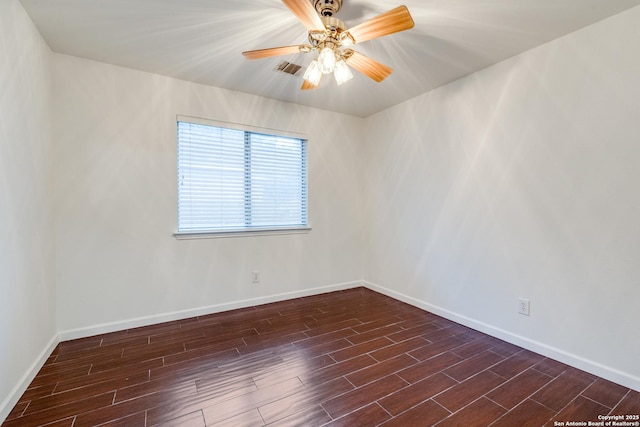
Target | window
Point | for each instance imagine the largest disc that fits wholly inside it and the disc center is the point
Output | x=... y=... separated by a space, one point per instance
x=232 y=180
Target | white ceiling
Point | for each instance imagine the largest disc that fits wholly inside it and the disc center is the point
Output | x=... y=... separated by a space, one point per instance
x=202 y=41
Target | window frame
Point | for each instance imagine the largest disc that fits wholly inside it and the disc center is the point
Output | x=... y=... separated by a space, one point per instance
x=249 y=231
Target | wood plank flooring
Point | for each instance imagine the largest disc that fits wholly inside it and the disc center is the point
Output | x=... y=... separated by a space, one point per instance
x=349 y=358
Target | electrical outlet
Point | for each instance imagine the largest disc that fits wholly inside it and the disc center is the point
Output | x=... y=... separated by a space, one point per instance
x=524 y=306
x=255 y=277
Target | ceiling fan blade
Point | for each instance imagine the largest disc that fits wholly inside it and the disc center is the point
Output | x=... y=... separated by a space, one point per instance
x=273 y=51
x=307 y=86
x=306 y=13
x=393 y=21
x=369 y=67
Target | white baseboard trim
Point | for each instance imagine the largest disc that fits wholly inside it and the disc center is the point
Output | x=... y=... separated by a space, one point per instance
x=10 y=401
x=201 y=311
x=623 y=378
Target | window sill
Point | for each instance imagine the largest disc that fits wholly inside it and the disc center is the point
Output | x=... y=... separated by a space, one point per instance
x=240 y=233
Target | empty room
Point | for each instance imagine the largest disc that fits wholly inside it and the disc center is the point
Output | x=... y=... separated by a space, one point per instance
x=319 y=212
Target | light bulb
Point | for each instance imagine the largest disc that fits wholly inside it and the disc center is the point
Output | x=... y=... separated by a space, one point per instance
x=313 y=73
x=326 y=60
x=342 y=73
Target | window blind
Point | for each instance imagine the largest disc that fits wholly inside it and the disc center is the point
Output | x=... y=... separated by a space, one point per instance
x=234 y=180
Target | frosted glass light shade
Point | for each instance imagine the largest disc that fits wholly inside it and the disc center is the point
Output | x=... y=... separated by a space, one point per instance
x=327 y=60
x=341 y=72
x=313 y=73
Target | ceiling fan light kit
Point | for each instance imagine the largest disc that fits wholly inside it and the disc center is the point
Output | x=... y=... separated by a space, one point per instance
x=329 y=37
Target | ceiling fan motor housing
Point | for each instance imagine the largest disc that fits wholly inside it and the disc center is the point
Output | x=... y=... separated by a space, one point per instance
x=327 y=7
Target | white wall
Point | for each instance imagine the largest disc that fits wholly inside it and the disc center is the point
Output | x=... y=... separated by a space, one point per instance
x=27 y=291
x=117 y=262
x=521 y=180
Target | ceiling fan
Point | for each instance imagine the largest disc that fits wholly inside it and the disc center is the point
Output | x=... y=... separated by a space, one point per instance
x=329 y=36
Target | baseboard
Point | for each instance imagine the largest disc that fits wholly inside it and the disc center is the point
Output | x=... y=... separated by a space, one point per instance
x=201 y=311
x=623 y=378
x=10 y=401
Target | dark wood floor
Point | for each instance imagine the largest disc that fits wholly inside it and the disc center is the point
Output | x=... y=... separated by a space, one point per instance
x=350 y=358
